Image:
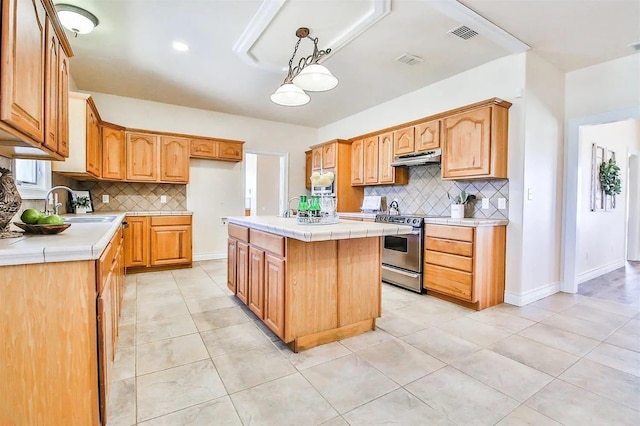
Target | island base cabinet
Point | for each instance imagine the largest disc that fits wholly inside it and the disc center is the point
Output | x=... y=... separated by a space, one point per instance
x=306 y=293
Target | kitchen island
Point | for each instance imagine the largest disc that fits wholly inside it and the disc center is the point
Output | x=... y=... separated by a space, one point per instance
x=309 y=284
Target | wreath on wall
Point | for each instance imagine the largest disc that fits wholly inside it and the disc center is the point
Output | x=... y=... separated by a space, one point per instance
x=610 y=177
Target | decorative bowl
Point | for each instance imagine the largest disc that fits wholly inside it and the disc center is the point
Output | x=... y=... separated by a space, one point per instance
x=42 y=229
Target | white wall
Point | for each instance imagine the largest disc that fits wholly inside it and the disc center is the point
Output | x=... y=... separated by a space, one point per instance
x=503 y=78
x=601 y=235
x=542 y=177
x=216 y=189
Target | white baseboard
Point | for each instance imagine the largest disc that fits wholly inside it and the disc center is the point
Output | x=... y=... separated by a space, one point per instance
x=210 y=256
x=531 y=295
x=600 y=270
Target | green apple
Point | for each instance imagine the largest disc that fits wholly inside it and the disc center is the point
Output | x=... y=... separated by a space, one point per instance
x=53 y=219
x=31 y=216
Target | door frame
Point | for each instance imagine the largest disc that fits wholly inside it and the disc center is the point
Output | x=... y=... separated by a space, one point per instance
x=570 y=197
x=284 y=176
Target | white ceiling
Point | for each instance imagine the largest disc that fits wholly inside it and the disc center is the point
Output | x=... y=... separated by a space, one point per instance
x=130 y=54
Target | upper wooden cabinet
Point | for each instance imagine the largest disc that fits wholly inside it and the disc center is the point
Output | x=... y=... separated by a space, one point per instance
x=32 y=89
x=63 y=105
x=427 y=136
x=308 y=169
x=376 y=155
x=404 y=141
x=316 y=158
x=357 y=162
x=475 y=143
x=94 y=141
x=214 y=149
x=174 y=159
x=329 y=160
x=142 y=157
x=113 y=152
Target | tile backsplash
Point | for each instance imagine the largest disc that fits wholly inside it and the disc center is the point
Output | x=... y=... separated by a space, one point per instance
x=134 y=196
x=426 y=194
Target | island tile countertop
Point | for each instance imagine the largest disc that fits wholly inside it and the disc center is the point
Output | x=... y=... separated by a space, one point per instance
x=358 y=214
x=343 y=230
x=81 y=241
x=472 y=222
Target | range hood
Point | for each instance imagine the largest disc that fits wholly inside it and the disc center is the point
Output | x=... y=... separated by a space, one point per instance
x=418 y=159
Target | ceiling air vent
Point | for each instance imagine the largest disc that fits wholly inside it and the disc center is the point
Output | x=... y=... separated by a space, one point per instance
x=409 y=59
x=463 y=32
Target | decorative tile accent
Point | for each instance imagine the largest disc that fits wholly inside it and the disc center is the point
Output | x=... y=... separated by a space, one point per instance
x=426 y=194
x=136 y=196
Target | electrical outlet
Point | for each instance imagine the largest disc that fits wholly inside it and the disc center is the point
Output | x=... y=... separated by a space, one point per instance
x=502 y=203
x=485 y=203
x=163 y=199
x=105 y=198
x=223 y=221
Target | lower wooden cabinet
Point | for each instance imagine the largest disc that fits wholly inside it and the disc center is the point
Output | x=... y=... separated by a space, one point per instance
x=158 y=242
x=274 y=281
x=465 y=264
x=256 y=281
x=242 y=272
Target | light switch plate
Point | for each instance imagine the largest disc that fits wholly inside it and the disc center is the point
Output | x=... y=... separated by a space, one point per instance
x=163 y=199
x=485 y=203
x=223 y=221
x=502 y=203
x=530 y=194
x=105 y=198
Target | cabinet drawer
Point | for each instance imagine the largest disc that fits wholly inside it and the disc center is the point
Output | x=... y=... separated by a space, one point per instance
x=449 y=281
x=170 y=220
x=453 y=261
x=238 y=232
x=449 y=246
x=268 y=242
x=460 y=233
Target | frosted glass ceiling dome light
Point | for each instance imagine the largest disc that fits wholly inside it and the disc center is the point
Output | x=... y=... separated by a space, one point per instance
x=76 y=19
x=307 y=75
x=290 y=95
x=315 y=78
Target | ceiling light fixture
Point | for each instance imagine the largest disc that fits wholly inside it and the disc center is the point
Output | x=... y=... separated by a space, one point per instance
x=180 y=46
x=307 y=75
x=76 y=19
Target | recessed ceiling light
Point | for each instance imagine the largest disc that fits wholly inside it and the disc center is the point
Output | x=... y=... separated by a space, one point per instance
x=180 y=46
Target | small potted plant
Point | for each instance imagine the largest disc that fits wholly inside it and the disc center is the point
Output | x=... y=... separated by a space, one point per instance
x=81 y=204
x=457 y=208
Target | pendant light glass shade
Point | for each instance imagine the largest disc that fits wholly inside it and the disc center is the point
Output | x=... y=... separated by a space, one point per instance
x=76 y=19
x=315 y=78
x=290 y=95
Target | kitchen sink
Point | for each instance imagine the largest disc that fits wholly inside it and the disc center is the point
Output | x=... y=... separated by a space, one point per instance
x=89 y=219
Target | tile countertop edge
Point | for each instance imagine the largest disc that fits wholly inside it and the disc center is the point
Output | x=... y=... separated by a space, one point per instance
x=287 y=227
x=471 y=222
x=149 y=213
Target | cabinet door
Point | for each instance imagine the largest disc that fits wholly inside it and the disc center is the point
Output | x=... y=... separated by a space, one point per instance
x=142 y=157
x=174 y=159
x=428 y=136
x=386 y=173
x=22 y=74
x=274 y=281
x=113 y=153
x=316 y=158
x=170 y=245
x=308 y=169
x=329 y=156
x=242 y=272
x=232 y=264
x=105 y=345
x=136 y=241
x=404 y=141
x=203 y=148
x=357 y=162
x=371 y=153
x=94 y=142
x=51 y=100
x=231 y=151
x=63 y=103
x=467 y=144
x=256 y=281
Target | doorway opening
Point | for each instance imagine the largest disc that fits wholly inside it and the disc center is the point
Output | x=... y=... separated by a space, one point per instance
x=265 y=183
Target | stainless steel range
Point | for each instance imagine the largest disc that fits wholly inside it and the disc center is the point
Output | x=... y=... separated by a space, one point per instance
x=402 y=254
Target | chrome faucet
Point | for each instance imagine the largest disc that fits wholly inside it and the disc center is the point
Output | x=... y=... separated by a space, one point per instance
x=56 y=206
x=288 y=210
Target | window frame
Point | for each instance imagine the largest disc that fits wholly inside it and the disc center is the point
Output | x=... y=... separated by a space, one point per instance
x=39 y=190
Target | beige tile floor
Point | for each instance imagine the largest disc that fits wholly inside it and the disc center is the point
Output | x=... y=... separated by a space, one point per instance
x=189 y=353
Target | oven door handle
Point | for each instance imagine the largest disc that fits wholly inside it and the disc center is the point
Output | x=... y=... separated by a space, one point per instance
x=401 y=272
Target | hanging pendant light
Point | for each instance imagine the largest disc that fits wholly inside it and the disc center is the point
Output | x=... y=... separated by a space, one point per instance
x=307 y=75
